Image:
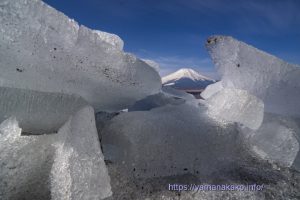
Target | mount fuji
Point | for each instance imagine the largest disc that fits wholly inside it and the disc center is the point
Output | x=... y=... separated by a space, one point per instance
x=186 y=79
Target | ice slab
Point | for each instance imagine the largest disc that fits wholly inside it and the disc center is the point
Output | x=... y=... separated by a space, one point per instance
x=276 y=140
x=170 y=140
x=41 y=49
x=79 y=171
x=244 y=67
x=72 y=158
x=38 y=112
x=25 y=163
x=235 y=105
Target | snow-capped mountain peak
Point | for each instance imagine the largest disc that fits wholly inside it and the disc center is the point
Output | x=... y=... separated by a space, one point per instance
x=185 y=73
x=187 y=78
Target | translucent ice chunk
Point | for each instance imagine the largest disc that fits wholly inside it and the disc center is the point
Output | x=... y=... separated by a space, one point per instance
x=212 y=89
x=79 y=171
x=43 y=50
x=275 y=140
x=25 y=163
x=236 y=106
x=269 y=78
x=170 y=140
x=38 y=112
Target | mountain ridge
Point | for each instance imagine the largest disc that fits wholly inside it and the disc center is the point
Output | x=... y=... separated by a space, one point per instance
x=187 y=78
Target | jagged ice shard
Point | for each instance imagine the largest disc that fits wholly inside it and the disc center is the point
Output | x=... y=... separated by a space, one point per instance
x=25 y=163
x=67 y=165
x=271 y=79
x=79 y=171
x=43 y=50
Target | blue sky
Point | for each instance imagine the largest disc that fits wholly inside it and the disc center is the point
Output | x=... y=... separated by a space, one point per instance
x=173 y=32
